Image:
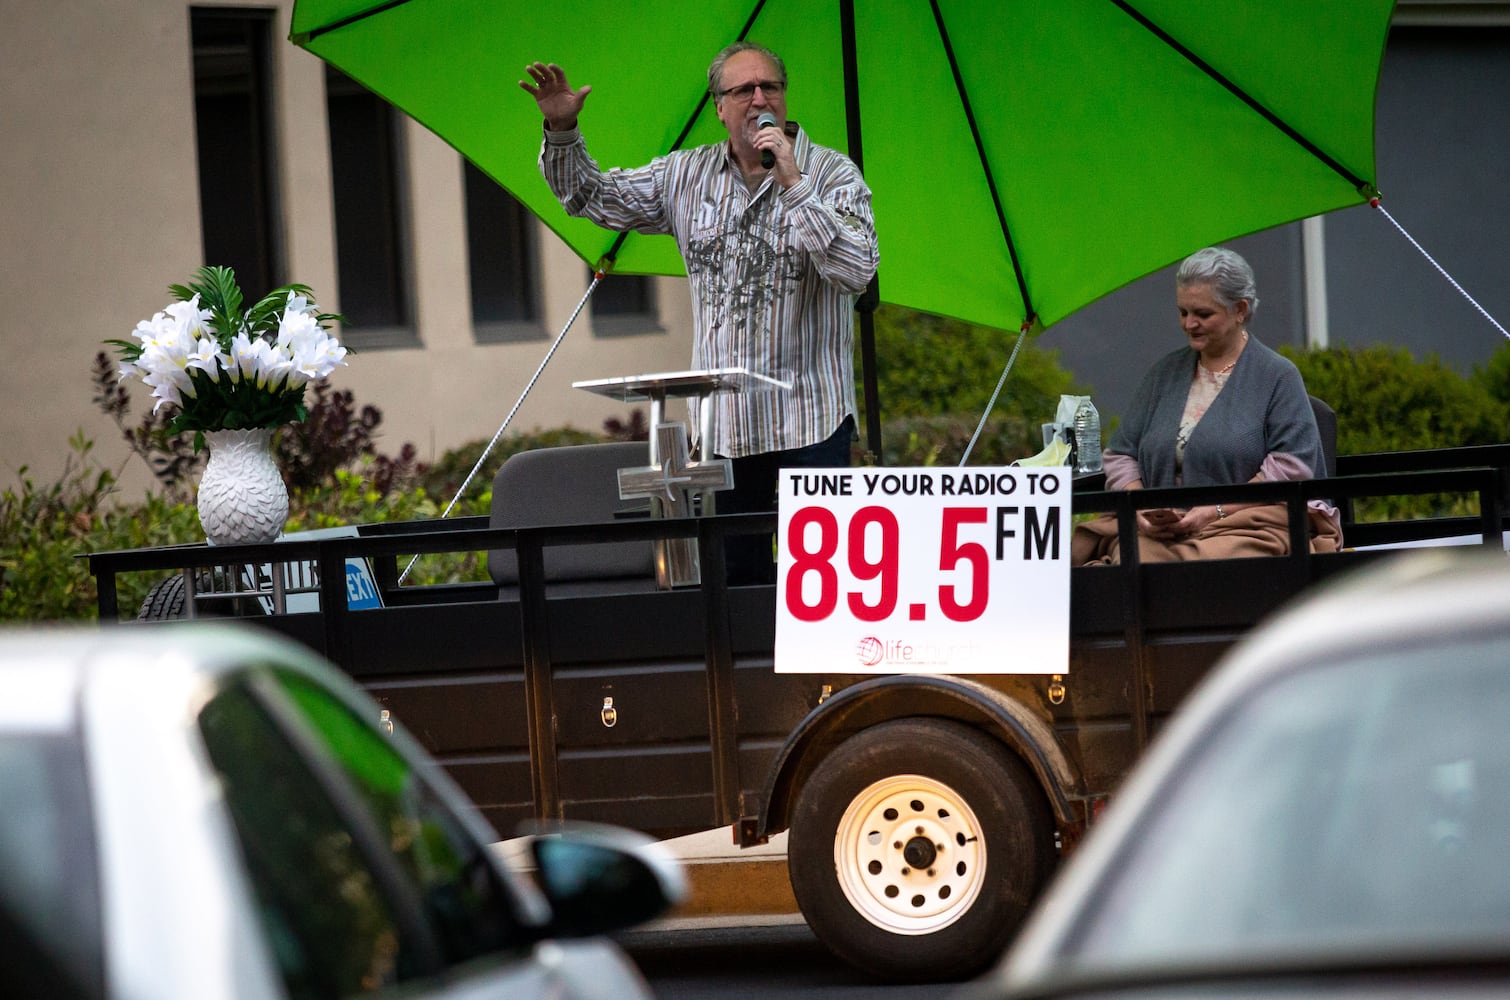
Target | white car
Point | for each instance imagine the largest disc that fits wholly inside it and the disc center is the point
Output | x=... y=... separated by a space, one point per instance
x=1328 y=815
x=205 y=812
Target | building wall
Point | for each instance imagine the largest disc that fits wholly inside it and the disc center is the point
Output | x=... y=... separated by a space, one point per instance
x=99 y=213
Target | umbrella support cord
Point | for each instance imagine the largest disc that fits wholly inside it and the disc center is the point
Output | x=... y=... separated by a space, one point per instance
x=597 y=279
x=1440 y=269
x=992 y=404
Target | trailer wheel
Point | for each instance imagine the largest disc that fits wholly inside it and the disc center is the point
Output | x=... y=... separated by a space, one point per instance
x=917 y=847
x=168 y=600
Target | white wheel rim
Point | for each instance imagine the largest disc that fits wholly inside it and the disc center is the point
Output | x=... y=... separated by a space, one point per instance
x=889 y=828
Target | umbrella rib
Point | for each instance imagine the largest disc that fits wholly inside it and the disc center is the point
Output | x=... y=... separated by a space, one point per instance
x=618 y=243
x=305 y=37
x=1358 y=183
x=1029 y=313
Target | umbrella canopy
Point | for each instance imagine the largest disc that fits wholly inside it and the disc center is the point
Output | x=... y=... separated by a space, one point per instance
x=1026 y=157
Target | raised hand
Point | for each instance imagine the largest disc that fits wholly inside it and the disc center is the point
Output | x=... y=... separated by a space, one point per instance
x=559 y=104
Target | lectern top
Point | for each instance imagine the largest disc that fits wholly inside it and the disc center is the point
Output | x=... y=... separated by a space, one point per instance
x=674 y=385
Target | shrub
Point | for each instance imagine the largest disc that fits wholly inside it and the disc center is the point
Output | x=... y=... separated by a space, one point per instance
x=942 y=440
x=443 y=479
x=935 y=377
x=1387 y=401
x=45 y=529
x=1494 y=376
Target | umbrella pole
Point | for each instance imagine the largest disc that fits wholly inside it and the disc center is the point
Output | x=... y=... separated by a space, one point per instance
x=992 y=404
x=597 y=278
x=866 y=304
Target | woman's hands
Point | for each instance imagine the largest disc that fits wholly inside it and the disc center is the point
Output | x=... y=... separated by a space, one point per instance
x=1169 y=524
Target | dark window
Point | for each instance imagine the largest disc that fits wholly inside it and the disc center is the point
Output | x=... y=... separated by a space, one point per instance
x=501 y=259
x=332 y=932
x=362 y=874
x=624 y=304
x=238 y=198
x=372 y=259
x=623 y=295
x=466 y=905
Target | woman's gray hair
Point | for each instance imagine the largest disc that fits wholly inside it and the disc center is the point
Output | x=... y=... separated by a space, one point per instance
x=1230 y=277
x=716 y=68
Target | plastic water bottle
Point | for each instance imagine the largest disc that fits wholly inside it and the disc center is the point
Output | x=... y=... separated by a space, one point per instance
x=1087 y=438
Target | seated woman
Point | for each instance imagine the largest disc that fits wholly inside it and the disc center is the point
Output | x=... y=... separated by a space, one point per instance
x=1225 y=409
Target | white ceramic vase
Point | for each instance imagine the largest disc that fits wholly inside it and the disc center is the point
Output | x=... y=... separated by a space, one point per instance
x=242 y=497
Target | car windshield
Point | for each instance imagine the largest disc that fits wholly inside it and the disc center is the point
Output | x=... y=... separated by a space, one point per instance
x=1361 y=805
x=49 y=894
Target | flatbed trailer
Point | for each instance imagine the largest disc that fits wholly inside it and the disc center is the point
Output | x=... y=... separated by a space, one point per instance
x=925 y=812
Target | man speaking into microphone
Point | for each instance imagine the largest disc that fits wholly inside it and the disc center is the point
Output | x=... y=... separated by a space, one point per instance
x=778 y=239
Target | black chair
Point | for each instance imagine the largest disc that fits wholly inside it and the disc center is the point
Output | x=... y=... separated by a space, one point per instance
x=1326 y=423
x=571 y=485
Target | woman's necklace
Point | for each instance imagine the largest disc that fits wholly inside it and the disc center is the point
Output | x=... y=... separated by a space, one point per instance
x=1231 y=364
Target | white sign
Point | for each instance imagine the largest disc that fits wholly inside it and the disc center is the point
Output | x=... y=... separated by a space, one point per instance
x=960 y=571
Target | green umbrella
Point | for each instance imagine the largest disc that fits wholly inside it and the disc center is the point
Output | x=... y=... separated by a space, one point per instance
x=1026 y=156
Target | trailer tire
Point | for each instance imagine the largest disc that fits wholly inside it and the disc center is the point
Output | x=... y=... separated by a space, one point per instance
x=168 y=599
x=917 y=847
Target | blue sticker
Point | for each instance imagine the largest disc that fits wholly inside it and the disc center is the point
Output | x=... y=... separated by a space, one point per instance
x=361 y=592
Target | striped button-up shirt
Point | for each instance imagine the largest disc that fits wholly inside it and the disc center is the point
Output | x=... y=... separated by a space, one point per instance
x=774 y=275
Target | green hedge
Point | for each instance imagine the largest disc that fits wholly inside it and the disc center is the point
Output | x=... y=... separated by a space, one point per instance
x=46 y=528
x=938 y=376
x=1387 y=401
x=935 y=377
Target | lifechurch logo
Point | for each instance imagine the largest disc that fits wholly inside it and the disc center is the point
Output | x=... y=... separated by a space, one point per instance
x=884 y=655
x=872 y=651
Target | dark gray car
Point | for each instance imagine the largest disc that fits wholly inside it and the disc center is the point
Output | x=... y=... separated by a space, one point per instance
x=1329 y=813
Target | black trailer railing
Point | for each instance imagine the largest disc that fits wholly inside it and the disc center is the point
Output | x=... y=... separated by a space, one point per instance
x=1135 y=611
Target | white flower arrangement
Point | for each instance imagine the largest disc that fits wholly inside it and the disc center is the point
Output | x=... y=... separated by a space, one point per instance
x=228 y=370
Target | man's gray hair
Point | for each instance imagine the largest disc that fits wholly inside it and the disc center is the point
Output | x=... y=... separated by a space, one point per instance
x=1230 y=277
x=716 y=68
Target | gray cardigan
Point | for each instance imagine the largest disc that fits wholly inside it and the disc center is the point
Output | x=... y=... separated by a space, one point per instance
x=1262 y=410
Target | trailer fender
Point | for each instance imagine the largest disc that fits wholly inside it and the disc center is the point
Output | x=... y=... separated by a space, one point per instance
x=880 y=699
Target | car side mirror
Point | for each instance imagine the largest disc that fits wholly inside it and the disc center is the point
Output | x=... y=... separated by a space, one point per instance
x=601 y=879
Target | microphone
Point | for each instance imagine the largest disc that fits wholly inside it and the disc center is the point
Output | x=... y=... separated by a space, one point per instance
x=766 y=120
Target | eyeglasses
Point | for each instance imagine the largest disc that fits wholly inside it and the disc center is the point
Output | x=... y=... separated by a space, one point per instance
x=746 y=91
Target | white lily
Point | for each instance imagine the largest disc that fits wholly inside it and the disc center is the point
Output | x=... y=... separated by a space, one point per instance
x=149 y=331
x=165 y=360
x=299 y=304
x=241 y=362
x=270 y=365
x=314 y=354
x=189 y=320
x=206 y=358
x=294 y=326
x=165 y=392
x=127 y=369
x=170 y=382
